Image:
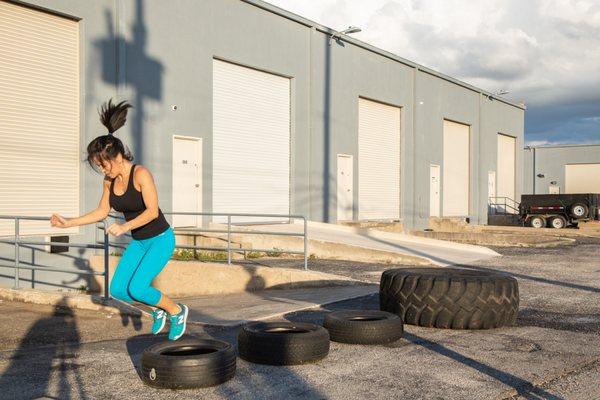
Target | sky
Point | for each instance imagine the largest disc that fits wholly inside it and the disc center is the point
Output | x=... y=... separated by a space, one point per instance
x=546 y=53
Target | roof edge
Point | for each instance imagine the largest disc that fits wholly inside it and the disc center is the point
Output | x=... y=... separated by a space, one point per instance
x=558 y=146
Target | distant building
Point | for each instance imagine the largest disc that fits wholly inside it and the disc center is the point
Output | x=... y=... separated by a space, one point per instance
x=562 y=169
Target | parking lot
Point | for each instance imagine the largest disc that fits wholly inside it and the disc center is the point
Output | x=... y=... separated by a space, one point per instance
x=552 y=353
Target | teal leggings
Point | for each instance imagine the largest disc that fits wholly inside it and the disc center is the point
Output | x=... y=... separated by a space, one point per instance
x=141 y=262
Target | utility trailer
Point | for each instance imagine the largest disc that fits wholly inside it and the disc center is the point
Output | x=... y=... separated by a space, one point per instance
x=558 y=210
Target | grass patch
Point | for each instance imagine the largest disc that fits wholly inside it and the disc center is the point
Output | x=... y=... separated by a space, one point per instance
x=211 y=256
x=191 y=255
x=276 y=252
x=183 y=255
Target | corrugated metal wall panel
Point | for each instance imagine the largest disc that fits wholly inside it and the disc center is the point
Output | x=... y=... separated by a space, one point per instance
x=39 y=125
x=251 y=141
x=455 y=181
x=378 y=160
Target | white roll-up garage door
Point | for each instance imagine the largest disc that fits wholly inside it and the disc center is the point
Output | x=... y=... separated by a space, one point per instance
x=378 y=160
x=506 y=167
x=455 y=190
x=39 y=122
x=251 y=141
x=582 y=178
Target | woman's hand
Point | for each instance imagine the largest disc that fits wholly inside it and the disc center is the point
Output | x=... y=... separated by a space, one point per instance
x=59 y=222
x=117 y=229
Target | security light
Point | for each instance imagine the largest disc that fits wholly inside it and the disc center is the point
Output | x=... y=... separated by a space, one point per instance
x=351 y=29
x=338 y=35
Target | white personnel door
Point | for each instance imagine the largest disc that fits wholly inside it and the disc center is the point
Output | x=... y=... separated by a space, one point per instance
x=434 y=191
x=344 y=188
x=492 y=192
x=187 y=180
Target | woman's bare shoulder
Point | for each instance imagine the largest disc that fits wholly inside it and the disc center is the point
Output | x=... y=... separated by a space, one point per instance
x=141 y=171
x=141 y=176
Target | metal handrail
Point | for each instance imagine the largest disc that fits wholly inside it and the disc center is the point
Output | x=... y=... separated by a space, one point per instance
x=492 y=201
x=18 y=242
x=229 y=232
x=106 y=244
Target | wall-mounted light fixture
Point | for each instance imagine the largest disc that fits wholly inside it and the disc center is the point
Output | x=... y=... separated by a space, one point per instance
x=541 y=175
x=338 y=35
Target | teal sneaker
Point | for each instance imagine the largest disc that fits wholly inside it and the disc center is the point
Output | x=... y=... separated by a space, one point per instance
x=178 y=322
x=160 y=318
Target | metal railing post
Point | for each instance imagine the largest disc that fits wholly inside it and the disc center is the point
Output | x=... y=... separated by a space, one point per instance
x=16 y=253
x=305 y=246
x=106 y=268
x=229 y=239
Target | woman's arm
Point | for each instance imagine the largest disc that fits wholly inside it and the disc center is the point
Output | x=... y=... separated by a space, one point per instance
x=150 y=196
x=98 y=214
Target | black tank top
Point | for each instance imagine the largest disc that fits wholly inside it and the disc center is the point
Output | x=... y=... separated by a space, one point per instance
x=131 y=204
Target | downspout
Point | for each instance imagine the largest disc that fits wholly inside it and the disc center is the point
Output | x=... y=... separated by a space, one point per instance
x=534 y=169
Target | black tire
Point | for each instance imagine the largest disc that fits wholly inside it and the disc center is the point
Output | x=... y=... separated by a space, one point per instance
x=363 y=326
x=282 y=343
x=579 y=210
x=537 y=222
x=188 y=363
x=558 y=222
x=450 y=298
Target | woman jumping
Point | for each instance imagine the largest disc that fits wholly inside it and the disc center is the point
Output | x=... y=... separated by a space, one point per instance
x=129 y=188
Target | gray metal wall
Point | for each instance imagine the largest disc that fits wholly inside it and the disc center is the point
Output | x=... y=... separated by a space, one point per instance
x=550 y=161
x=157 y=54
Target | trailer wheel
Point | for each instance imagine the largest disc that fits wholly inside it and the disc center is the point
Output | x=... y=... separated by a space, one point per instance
x=579 y=210
x=558 y=222
x=537 y=222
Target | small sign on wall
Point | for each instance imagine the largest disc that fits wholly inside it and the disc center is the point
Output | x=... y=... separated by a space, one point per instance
x=554 y=189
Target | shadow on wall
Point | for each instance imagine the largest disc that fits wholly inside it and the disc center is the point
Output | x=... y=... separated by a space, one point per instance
x=127 y=64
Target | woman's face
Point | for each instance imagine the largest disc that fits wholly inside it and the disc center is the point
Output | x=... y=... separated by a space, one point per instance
x=110 y=168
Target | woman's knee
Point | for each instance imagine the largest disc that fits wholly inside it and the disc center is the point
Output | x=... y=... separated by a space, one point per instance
x=144 y=294
x=119 y=291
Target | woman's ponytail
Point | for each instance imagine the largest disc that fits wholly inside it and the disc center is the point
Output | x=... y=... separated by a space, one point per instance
x=108 y=147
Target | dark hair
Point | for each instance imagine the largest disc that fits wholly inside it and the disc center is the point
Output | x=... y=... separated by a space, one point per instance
x=108 y=147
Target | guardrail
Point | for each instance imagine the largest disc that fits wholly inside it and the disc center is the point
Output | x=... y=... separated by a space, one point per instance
x=229 y=232
x=18 y=242
x=105 y=244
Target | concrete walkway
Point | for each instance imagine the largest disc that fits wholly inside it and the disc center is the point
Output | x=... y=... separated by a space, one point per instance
x=238 y=308
x=439 y=252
